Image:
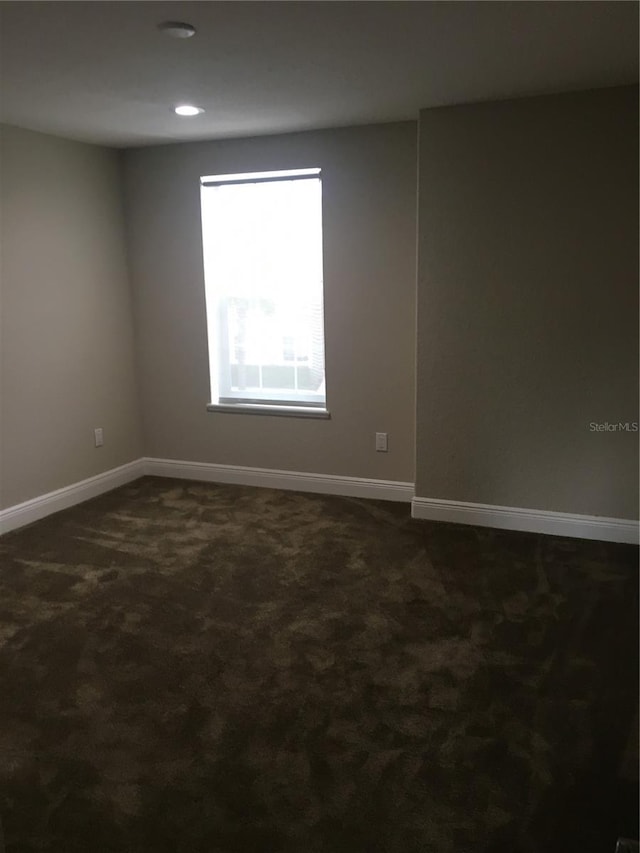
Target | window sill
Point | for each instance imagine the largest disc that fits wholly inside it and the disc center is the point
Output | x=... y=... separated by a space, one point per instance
x=279 y=411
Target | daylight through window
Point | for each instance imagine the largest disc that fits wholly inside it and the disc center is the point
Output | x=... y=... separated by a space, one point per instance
x=262 y=243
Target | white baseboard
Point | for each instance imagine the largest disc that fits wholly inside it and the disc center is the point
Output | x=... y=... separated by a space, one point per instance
x=326 y=484
x=43 y=505
x=532 y=520
x=432 y=509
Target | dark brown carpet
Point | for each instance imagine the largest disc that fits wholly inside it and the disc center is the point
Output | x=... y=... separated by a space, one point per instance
x=191 y=668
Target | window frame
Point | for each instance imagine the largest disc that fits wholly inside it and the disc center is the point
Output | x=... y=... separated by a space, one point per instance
x=293 y=404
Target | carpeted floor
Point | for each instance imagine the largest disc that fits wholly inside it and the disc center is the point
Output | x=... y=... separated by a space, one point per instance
x=192 y=668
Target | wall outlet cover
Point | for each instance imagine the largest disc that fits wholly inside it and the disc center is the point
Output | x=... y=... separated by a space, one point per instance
x=382 y=444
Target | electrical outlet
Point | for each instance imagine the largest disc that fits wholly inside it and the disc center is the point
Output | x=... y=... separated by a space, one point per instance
x=382 y=442
x=99 y=436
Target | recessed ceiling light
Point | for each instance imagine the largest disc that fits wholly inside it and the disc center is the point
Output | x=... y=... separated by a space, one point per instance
x=187 y=110
x=177 y=29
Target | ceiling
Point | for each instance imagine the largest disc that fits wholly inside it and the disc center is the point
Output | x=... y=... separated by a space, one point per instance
x=102 y=72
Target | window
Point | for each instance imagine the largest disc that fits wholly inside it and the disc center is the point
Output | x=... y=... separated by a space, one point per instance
x=262 y=244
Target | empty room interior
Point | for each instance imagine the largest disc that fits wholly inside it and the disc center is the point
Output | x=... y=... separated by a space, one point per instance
x=318 y=427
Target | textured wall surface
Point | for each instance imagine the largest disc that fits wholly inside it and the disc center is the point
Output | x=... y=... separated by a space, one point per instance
x=369 y=197
x=528 y=303
x=66 y=343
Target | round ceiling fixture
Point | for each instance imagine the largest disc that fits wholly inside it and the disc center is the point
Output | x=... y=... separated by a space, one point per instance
x=187 y=110
x=177 y=29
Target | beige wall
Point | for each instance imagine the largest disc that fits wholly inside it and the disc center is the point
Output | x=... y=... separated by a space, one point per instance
x=527 y=306
x=66 y=338
x=528 y=302
x=369 y=197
